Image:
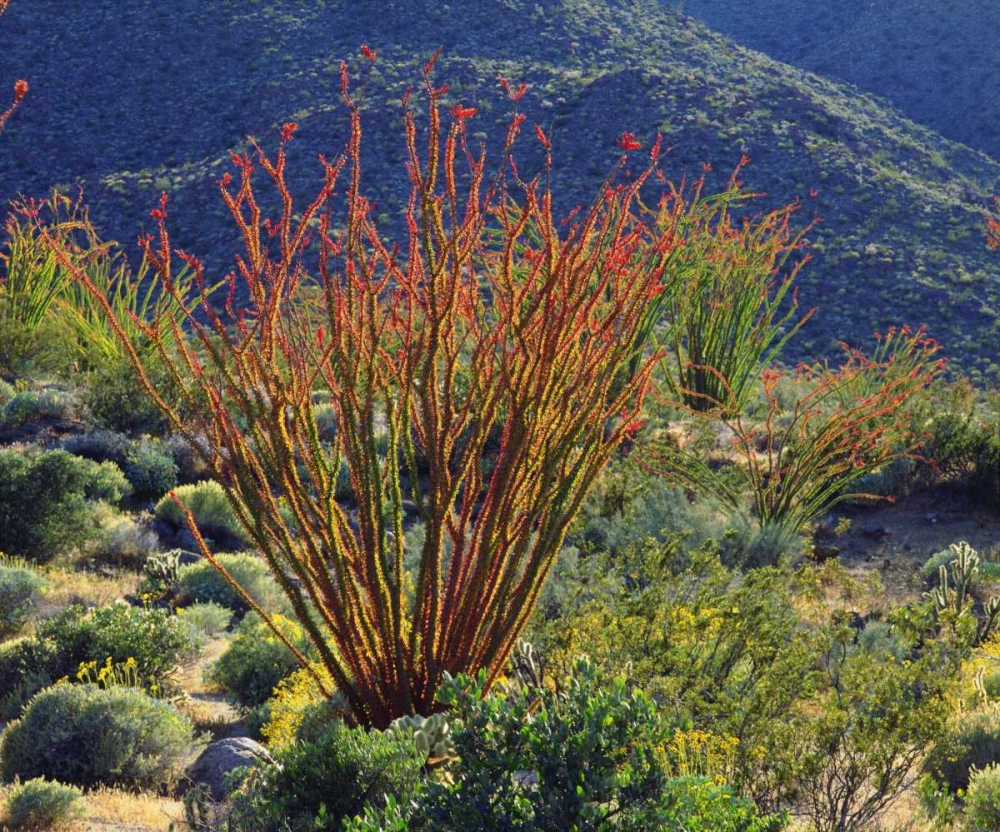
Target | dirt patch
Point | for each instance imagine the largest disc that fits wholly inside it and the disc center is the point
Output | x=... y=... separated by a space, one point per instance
x=897 y=539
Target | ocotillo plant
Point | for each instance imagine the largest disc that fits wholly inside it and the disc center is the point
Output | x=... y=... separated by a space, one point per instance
x=796 y=462
x=731 y=305
x=489 y=347
x=20 y=86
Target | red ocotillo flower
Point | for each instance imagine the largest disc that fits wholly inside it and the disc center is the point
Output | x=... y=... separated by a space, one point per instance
x=628 y=141
x=993 y=230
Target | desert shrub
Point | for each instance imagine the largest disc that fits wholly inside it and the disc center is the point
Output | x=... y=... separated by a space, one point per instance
x=208 y=617
x=881 y=641
x=125 y=541
x=20 y=591
x=150 y=469
x=116 y=401
x=701 y=804
x=256 y=660
x=628 y=506
x=46 y=500
x=201 y=582
x=156 y=640
x=870 y=733
x=191 y=468
x=317 y=785
x=100 y=446
x=960 y=441
x=589 y=758
x=7 y=392
x=726 y=651
x=298 y=709
x=41 y=805
x=86 y=735
x=972 y=741
x=982 y=801
x=148 y=464
x=36 y=405
x=207 y=502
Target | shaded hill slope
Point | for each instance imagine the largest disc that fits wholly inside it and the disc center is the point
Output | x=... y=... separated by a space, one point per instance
x=133 y=99
x=936 y=61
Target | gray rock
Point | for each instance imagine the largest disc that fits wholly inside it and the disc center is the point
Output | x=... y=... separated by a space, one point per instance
x=221 y=757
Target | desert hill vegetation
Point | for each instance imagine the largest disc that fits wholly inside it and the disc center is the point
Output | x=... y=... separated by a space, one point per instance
x=935 y=61
x=902 y=208
x=493 y=469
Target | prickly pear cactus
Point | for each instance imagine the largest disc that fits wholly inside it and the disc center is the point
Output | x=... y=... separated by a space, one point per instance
x=432 y=735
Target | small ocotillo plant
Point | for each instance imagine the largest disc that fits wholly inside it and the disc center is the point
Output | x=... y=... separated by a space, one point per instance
x=20 y=86
x=732 y=305
x=796 y=462
x=490 y=347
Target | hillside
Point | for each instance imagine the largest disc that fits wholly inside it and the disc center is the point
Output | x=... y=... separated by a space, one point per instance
x=131 y=100
x=937 y=62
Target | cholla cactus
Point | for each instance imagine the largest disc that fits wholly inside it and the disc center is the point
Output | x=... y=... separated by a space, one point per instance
x=525 y=666
x=164 y=567
x=952 y=596
x=963 y=569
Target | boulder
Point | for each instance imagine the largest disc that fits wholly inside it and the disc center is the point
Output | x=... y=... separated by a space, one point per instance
x=221 y=757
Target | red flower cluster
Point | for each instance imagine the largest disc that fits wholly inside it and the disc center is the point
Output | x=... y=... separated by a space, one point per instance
x=460 y=113
x=628 y=141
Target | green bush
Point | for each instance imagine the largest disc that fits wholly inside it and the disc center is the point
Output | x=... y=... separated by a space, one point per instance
x=982 y=802
x=257 y=660
x=963 y=447
x=87 y=736
x=156 y=640
x=875 y=726
x=698 y=804
x=317 y=785
x=20 y=591
x=41 y=804
x=148 y=464
x=207 y=502
x=125 y=541
x=36 y=405
x=150 y=469
x=588 y=759
x=46 y=501
x=100 y=446
x=117 y=401
x=200 y=582
x=7 y=392
x=972 y=742
x=682 y=623
x=208 y=617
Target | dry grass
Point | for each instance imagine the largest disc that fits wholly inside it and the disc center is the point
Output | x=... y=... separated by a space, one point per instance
x=111 y=809
x=88 y=588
